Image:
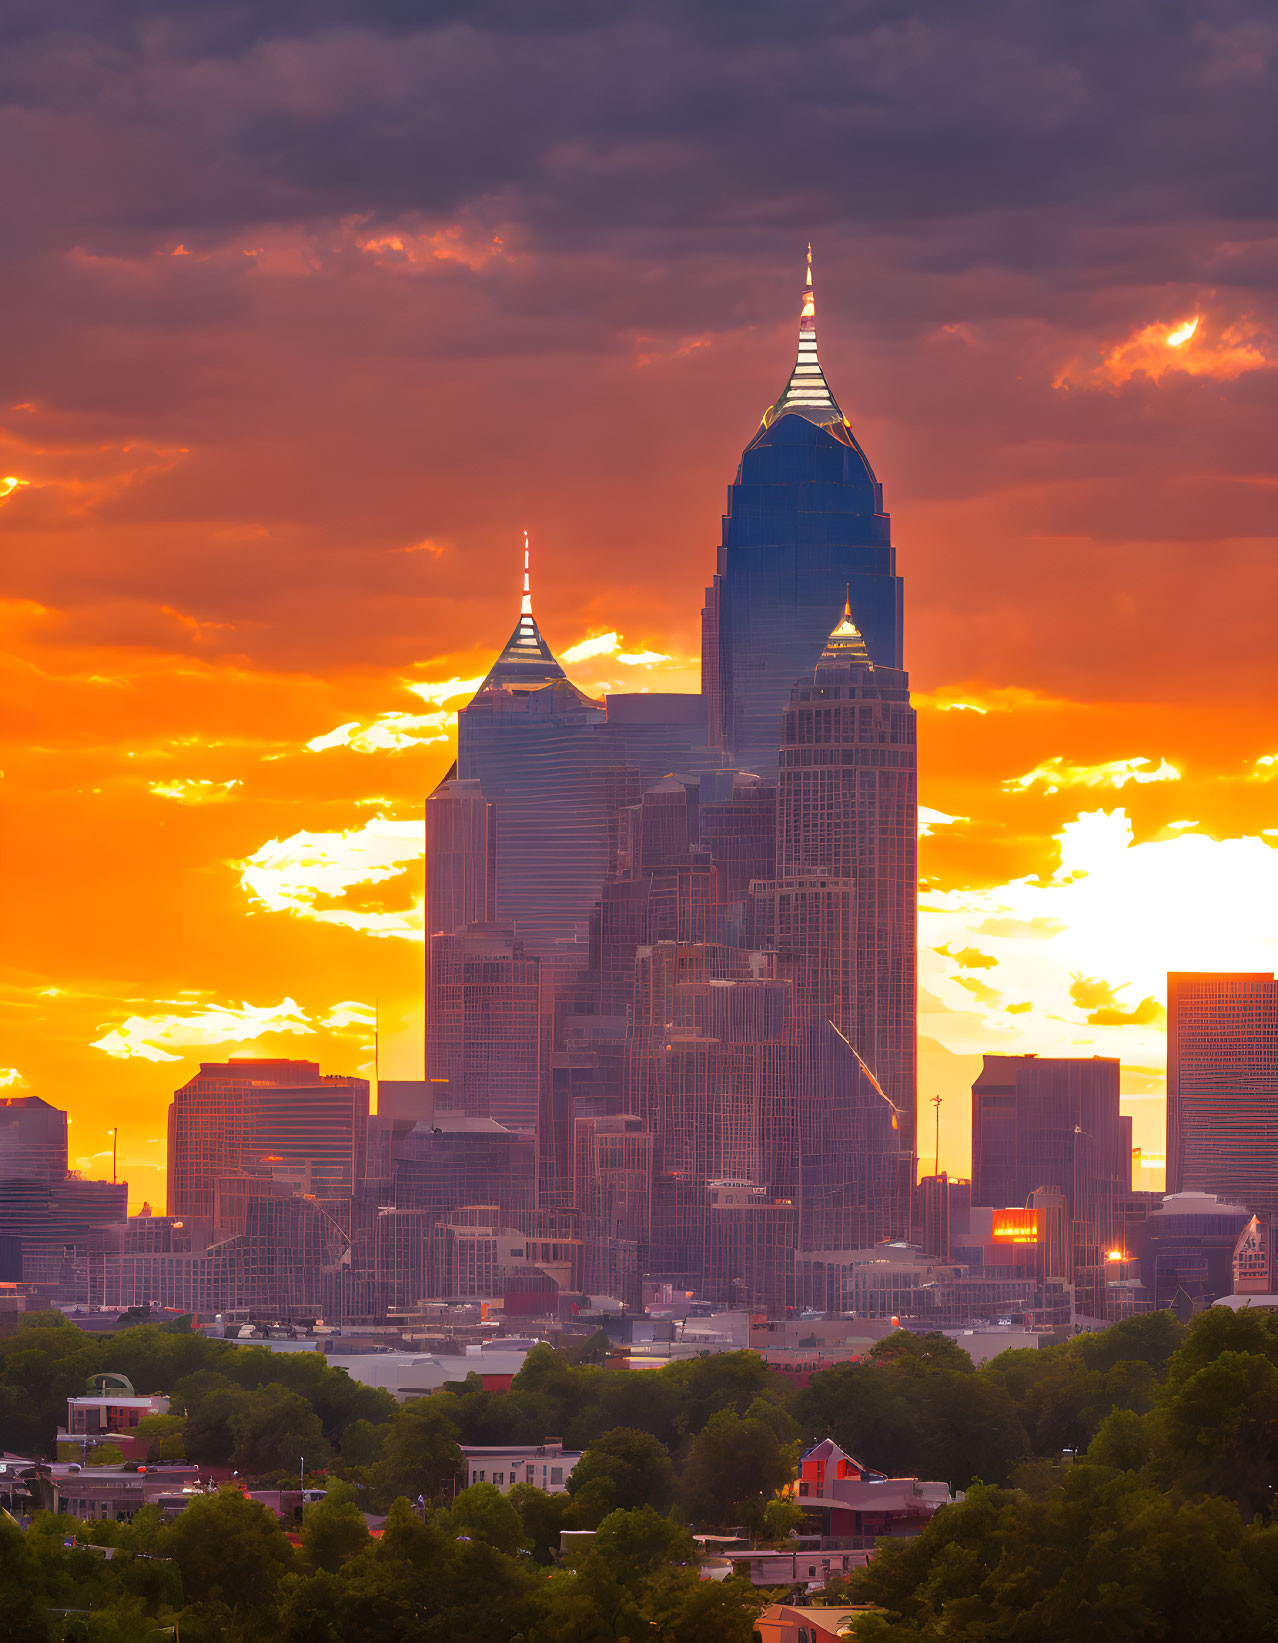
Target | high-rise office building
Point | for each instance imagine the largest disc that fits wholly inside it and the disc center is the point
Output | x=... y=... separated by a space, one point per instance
x=528 y=738
x=805 y=522
x=1055 y=1124
x=1222 y=1086
x=33 y=1139
x=484 y=1050
x=841 y=913
x=264 y=1118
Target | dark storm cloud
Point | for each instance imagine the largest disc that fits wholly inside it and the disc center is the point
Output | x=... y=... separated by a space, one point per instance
x=996 y=189
x=598 y=120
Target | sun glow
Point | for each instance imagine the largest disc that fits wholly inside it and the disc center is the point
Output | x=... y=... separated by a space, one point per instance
x=1182 y=333
x=1091 y=943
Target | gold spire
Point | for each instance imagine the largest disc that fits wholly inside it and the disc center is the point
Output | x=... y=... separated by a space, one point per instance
x=807 y=393
x=527 y=657
x=846 y=643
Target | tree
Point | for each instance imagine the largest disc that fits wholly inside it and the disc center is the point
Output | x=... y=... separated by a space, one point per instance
x=543 y=1516
x=230 y=1550
x=363 y=1443
x=735 y=1466
x=333 y=1529
x=482 y=1512
x=26 y=1617
x=965 y=1428
x=162 y=1435
x=421 y=1453
x=623 y=1468
x=906 y=1350
x=1102 y=1556
x=1217 y=1433
x=273 y=1430
x=42 y=1364
x=1218 y=1330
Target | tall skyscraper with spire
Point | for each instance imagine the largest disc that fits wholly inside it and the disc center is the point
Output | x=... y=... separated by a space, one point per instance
x=845 y=897
x=531 y=740
x=805 y=520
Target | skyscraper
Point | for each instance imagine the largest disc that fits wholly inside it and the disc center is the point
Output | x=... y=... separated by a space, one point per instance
x=805 y=522
x=842 y=909
x=1222 y=1086
x=264 y=1118
x=1055 y=1124
x=529 y=738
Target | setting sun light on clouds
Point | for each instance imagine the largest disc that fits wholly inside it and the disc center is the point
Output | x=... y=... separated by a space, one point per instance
x=1191 y=345
x=388 y=733
x=195 y=791
x=1053 y=774
x=1103 y=928
x=147 y=1036
x=310 y=876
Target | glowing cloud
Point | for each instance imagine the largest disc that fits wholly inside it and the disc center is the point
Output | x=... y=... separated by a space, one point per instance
x=349 y=1014
x=602 y=644
x=969 y=958
x=1053 y=774
x=192 y=791
x=1266 y=768
x=142 y=1036
x=930 y=820
x=1190 y=346
x=1112 y=918
x=642 y=658
x=388 y=733
x=11 y=1079
x=306 y=873
x=451 y=244
x=1105 y=1009
x=443 y=690
x=609 y=644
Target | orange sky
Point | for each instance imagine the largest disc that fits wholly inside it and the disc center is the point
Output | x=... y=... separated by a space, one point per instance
x=274 y=435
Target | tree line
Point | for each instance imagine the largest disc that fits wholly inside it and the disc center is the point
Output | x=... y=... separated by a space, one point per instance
x=1120 y=1484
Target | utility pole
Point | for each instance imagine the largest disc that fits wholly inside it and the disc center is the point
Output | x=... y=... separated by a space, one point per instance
x=936 y=1102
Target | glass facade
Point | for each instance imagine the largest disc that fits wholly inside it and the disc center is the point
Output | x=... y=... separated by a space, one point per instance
x=1054 y=1124
x=805 y=525
x=264 y=1117
x=842 y=909
x=1222 y=1086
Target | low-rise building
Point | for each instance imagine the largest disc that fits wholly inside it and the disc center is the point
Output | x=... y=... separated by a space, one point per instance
x=109 y=1418
x=842 y=1497
x=790 y=1623
x=545 y=1465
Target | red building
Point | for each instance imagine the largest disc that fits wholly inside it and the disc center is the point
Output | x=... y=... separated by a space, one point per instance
x=844 y=1498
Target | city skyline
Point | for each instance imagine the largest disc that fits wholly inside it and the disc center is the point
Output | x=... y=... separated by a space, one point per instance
x=279 y=879
x=237 y=599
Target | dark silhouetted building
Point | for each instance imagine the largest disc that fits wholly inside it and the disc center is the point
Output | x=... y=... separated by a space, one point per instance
x=1186 y=1246
x=1222 y=1086
x=1055 y=1124
x=33 y=1139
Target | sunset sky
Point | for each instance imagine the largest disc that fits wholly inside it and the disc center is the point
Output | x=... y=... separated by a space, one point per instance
x=312 y=309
